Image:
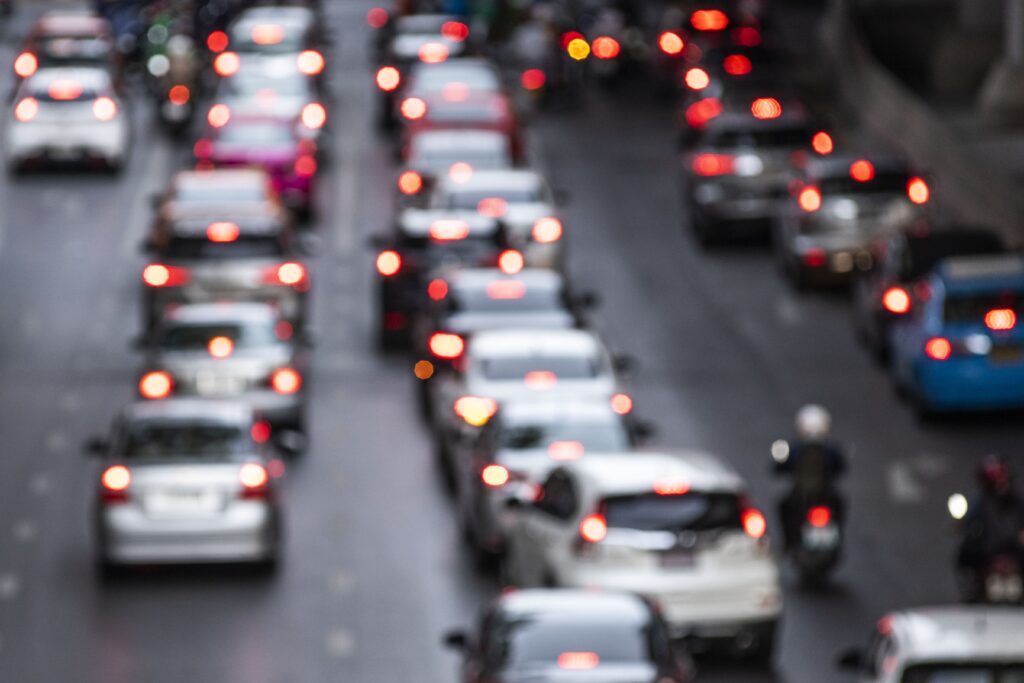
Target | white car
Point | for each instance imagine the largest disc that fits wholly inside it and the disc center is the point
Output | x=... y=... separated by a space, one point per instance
x=676 y=528
x=67 y=114
x=966 y=644
x=521 y=199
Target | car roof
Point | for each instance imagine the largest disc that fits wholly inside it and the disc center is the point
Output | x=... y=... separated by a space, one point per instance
x=468 y=279
x=201 y=410
x=518 y=343
x=459 y=139
x=199 y=314
x=71 y=23
x=497 y=179
x=576 y=605
x=417 y=222
x=91 y=77
x=637 y=472
x=996 y=270
x=959 y=633
x=544 y=411
x=234 y=177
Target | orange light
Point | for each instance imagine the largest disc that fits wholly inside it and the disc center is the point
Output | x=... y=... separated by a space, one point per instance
x=593 y=528
x=578 y=660
x=305 y=166
x=918 y=191
x=446 y=230
x=606 y=47
x=26 y=109
x=222 y=231
x=410 y=182
x=578 y=49
x=540 y=379
x=1001 y=319
x=446 y=346
x=388 y=263
x=862 y=171
x=460 y=172
x=492 y=207
x=26 y=64
x=155 y=385
x=712 y=164
x=565 y=450
x=809 y=199
x=388 y=78
x=286 y=381
x=314 y=115
x=622 y=404
x=310 y=62
x=765 y=108
x=64 y=90
x=506 y=290
x=433 y=53
x=754 y=523
x=709 y=20
x=822 y=143
x=377 y=17
x=291 y=273
x=819 y=516
x=896 y=300
x=670 y=43
x=533 y=79
x=267 y=34
x=227 y=64
x=413 y=108
x=697 y=79
x=671 y=486
x=179 y=95
x=702 y=111
x=938 y=348
x=219 y=115
x=494 y=476
x=437 y=289
x=423 y=370
x=511 y=262
x=737 y=65
x=253 y=475
x=116 y=478
x=217 y=41
x=547 y=230
x=455 y=31
x=220 y=347
x=475 y=411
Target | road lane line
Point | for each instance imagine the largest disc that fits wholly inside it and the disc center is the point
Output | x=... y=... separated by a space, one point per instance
x=10 y=586
x=903 y=485
x=24 y=531
x=340 y=644
x=152 y=179
x=57 y=441
x=41 y=484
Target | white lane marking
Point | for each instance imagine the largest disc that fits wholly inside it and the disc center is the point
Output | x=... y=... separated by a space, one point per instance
x=70 y=402
x=789 y=312
x=57 y=441
x=10 y=586
x=24 y=531
x=41 y=484
x=340 y=643
x=341 y=582
x=154 y=176
x=903 y=484
x=346 y=156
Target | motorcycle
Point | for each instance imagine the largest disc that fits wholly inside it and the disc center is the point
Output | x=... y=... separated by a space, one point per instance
x=1001 y=578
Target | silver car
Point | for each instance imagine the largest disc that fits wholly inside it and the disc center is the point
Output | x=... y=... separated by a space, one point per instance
x=186 y=481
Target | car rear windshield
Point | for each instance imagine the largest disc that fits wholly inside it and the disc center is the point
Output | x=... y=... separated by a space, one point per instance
x=266 y=89
x=594 y=436
x=480 y=158
x=924 y=253
x=883 y=183
x=776 y=138
x=533 y=642
x=686 y=512
x=561 y=367
x=501 y=296
x=257 y=134
x=972 y=308
x=245 y=247
x=213 y=193
x=482 y=112
x=70 y=49
x=165 y=440
x=964 y=673
x=435 y=78
x=197 y=337
x=471 y=199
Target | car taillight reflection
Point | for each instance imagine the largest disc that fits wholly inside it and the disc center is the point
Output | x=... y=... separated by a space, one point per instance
x=26 y=64
x=754 y=523
x=410 y=182
x=819 y=516
x=413 y=108
x=671 y=43
x=1001 y=319
x=737 y=65
x=697 y=78
x=217 y=41
x=219 y=115
x=474 y=410
x=709 y=20
x=809 y=199
x=511 y=261
x=314 y=115
x=702 y=111
x=822 y=143
x=179 y=95
x=606 y=47
x=305 y=166
x=494 y=476
x=918 y=191
x=115 y=481
x=533 y=79
x=547 y=230
x=310 y=62
x=226 y=64
x=26 y=109
x=104 y=109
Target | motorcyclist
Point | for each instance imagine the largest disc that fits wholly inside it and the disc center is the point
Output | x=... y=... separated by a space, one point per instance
x=814 y=462
x=994 y=523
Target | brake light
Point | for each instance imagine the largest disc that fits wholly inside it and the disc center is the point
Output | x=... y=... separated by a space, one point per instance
x=104 y=108
x=819 y=516
x=540 y=379
x=815 y=257
x=203 y=149
x=460 y=172
x=862 y=171
x=938 y=348
x=413 y=108
x=918 y=191
x=702 y=111
x=179 y=95
x=64 y=90
x=495 y=476
x=533 y=79
x=746 y=36
x=565 y=450
x=227 y=64
x=220 y=347
x=217 y=41
x=593 y=528
x=709 y=20
x=219 y=115
x=446 y=346
x=310 y=62
x=286 y=381
x=26 y=64
x=305 y=166
x=671 y=486
x=475 y=411
x=388 y=78
x=737 y=65
x=455 y=92
x=254 y=479
x=290 y=274
x=1001 y=319
x=155 y=385
x=578 y=660
x=697 y=79
x=606 y=47
x=492 y=207
x=896 y=300
x=410 y=182
x=267 y=34
x=447 y=230
x=511 y=262
x=260 y=431
x=709 y=165
x=160 y=275
x=437 y=289
x=505 y=290
x=222 y=231
x=314 y=115
x=622 y=404
x=377 y=17
x=26 y=109
x=547 y=230
x=389 y=263
x=670 y=43
x=284 y=330
x=578 y=49
x=754 y=523
x=809 y=199
x=115 y=481
x=455 y=31
x=822 y=143
x=766 y=108
x=433 y=53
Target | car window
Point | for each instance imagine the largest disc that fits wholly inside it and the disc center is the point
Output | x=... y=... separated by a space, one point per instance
x=442 y=158
x=547 y=368
x=883 y=183
x=192 y=337
x=256 y=134
x=592 y=436
x=502 y=296
x=245 y=247
x=972 y=308
x=155 y=440
x=690 y=511
x=489 y=111
x=964 y=673
x=470 y=199
x=783 y=138
x=213 y=193
x=533 y=642
x=923 y=254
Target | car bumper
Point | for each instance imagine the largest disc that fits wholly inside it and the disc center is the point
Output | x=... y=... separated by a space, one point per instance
x=56 y=143
x=290 y=303
x=280 y=411
x=970 y=384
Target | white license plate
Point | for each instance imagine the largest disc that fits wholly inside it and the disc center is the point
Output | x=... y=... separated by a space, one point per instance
x=219 y=385
x=185 y=503
x=821 y=538
x=678 y=559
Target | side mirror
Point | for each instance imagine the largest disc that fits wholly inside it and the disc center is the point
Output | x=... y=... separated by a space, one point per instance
x=96 y=445
x=456 y=640
x=851 y=660
x=624 y=363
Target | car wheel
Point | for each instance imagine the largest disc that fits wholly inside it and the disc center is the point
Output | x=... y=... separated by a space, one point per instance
x=763 y=649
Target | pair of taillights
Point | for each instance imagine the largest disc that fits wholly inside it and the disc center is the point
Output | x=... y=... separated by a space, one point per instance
x=594 y=527
x=312 y=116
x=308 y=62
x=159 y=384
x=103 y=108
x=116 y=481
x=389 y=262
x=290 y=274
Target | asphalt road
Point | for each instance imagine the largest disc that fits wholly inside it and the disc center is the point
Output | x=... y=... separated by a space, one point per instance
x=375 y=571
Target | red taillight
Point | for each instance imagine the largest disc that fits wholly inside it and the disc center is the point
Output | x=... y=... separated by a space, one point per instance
x=260 y=431
x=746 y=36
x=547 y=230
x=156 y=385
x=388 y=78
x=938 y=348
x=809 y=199
x=896 y=300
x=565 y=450
x=511 y=261
x=506 y=290
x=160 y=275
x=575 y=661
x=377 y=17
x=410 y=182
x=179 y=95
x=217 y=41
x=492 y=207
x=815 y=257
x=862 y=171
x=819 y=516
x=766 y=108
x=413 y=108
x=26 y=64
x=697 y=78
x=104 y=109
x=671 y=486
x=622 y=404
x=437 y=289
x=708 y=165
x=474 y=410
x=203 y=149
x=26 y=109
x=606 y=47
x=918 y=191
x=433 y=53
x=446 y=346
x=226 y=64
x=737 y=65
x=822 y=143
x=222 y=231
x=289 y=274
x=540 y=379
x=671 y=43
x=1001 y=319
x=115 y=481
x=310 y=62
x=593 y=528
x=221 y=347
x=314 y=115
x=702 y=111
x=305 y=166
x=494 y=476
x=533 y=79
x=709 y=20
x=570 y=36
x=389 y=263
x=754 y=523
x=254 y=479
x=286 y=381
x=455 y=31
x=219 y=115
x=449 y=230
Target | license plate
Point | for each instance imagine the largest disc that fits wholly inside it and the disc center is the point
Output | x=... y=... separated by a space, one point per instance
x=183 y=502
x=821 y=538
x=1005 y=354
x=219 y=385
x=678 y=559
